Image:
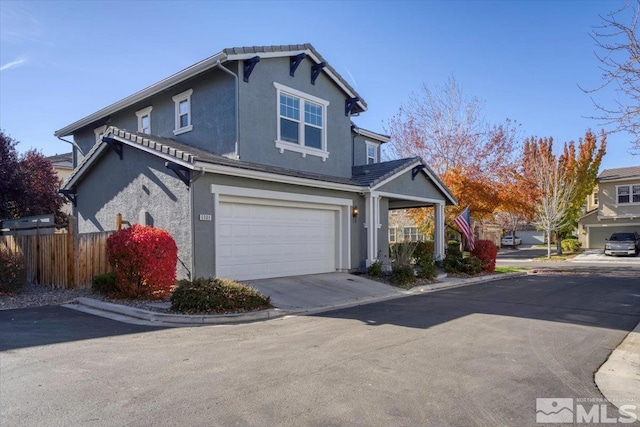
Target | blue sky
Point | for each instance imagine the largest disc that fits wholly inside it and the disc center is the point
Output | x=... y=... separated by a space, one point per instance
x=60 y=61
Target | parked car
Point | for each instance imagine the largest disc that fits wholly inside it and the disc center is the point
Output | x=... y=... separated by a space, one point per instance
x=511 y=241
x=623 y=244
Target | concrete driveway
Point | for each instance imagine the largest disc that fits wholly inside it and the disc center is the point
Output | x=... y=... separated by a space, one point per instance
x=322 y=290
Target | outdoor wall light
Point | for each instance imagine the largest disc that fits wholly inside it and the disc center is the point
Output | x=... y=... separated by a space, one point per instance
x=355 y=212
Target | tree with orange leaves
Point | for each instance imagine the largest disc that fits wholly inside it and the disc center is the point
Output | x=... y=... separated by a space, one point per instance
x=471 y=156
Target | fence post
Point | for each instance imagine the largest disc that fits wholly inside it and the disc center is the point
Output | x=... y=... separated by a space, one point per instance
x=71 y=256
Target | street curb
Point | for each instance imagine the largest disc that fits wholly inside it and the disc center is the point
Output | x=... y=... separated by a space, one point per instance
x=618 y=379
x=141 y=316
x=157 y=318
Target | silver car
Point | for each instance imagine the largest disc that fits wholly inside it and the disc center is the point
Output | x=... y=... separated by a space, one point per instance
x=623 y=244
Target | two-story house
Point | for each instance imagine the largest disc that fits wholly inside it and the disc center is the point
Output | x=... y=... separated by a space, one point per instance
x=250 y=159
x=613 y=206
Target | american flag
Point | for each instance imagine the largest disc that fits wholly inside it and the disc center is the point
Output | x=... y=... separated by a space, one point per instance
x=463 y=221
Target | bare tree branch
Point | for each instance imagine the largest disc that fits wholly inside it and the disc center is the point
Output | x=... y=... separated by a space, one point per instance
x=618 y=54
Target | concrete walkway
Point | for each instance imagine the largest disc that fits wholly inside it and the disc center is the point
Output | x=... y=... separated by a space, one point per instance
x=619 y=377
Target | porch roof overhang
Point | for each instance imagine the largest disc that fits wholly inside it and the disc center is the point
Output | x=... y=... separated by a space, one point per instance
x=365 y=180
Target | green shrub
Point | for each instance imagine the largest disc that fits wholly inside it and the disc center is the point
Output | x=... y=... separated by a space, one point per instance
x=104 y=284
x=426 y=268
x=13 y=274
x=452 y=262
x=213 y=295
x=402 y=275
x=472 y=265
x=571 y=245
x=424 y=250
x=402 y=253
x=375 y=269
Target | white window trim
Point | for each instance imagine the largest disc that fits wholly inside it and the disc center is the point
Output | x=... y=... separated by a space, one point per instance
x=301 y=148
x=630 y=202
x=177 y=99
x=375 y=151
x=141 y=114
x=98 y=131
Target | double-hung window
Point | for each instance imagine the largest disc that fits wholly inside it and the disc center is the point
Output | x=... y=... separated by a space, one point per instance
x=628 y=193
x=372 y=153
x=302 y=122
x=183 y=112
x=144 y=120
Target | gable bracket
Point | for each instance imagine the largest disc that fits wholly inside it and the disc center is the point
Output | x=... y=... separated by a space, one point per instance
x=114 y=144
x=349 y=105
x=315 y=71
x=415 y=171
x=70 y=195
x=294 y=61
x=249 y=65
x=181 y=172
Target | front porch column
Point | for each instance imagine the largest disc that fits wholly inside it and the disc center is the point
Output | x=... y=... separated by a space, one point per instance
x=439 y=232
x=372 y=223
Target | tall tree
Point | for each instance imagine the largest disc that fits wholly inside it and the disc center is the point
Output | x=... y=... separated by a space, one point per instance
x=446 y=128
x=554 y=184
x=29 y=183
x=618 y=53
x=582 y=164
x=9 y=179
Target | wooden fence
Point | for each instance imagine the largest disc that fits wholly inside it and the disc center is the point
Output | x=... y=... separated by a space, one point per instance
x=61 y=260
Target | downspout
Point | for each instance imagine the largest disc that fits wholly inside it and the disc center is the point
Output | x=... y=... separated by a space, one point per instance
x=237 y=89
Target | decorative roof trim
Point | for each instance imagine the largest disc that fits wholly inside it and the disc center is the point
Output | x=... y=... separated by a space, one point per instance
x=204 y=65
x=370 y=134
x=426 y=170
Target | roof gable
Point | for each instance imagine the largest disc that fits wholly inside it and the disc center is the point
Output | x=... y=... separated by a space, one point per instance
x=619 y=173
x=229 y=54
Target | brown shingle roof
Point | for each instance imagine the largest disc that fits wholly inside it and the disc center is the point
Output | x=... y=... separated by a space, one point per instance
x=619 y=173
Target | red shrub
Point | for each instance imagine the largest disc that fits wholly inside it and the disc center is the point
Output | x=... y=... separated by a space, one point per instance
x=486 y=251
x=145 y=260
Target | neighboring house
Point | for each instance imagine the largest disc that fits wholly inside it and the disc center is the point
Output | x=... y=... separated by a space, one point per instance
x=613 y=206
x=402 y=228
x=63 y=166
x=250 y=160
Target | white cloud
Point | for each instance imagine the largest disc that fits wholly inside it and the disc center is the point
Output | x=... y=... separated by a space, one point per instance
x=13 y=64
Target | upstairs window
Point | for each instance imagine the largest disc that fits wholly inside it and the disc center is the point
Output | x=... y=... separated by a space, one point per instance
x=183 y=112
x=628 y=193
x=144 y=120
x=301 y=123
x=372 y=153
x=99 y=132
x=595 y=199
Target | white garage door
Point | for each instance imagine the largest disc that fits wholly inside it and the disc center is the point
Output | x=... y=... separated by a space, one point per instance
x=261 y=241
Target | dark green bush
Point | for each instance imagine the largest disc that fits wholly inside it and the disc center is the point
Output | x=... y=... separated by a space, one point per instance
x=424 y=250
x=472 y=265
x=571 y=245
x=375 y=269
x=104 y=284
x=13 y=274
x=452 y=262
x=202 y=296
x=402 y=275
x=426 y=268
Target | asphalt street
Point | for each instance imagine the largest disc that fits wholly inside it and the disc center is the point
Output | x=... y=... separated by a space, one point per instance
x=476 y=355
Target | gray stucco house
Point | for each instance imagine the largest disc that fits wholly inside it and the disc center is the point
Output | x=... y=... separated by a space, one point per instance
x=250 y=159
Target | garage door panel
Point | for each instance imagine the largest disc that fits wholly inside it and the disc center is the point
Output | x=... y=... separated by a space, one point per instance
x=259 y=241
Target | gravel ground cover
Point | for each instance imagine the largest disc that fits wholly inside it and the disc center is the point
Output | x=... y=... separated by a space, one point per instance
x=34 y=295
